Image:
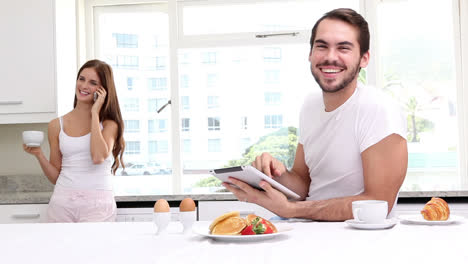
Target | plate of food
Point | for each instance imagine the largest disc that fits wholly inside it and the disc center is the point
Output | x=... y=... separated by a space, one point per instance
x=231 y=227
x=434 y=212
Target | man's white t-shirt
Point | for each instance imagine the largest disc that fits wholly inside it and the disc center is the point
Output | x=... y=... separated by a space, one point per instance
x=333 y=141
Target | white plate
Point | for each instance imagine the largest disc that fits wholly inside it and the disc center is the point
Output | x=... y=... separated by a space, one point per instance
x=388 y=223
x=202 y=228
x=418 y=219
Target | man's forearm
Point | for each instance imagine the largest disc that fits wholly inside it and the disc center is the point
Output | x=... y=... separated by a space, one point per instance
x=337 y=209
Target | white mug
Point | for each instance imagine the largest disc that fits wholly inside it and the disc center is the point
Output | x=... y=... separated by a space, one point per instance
x=370 y=211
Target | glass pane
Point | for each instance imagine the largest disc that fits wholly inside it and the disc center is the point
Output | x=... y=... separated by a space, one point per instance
x=134 y=40
x=418 y=68
x=237 y=111
x=257 y=17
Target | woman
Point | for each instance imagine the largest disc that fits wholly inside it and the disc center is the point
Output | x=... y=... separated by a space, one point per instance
x=81 y=144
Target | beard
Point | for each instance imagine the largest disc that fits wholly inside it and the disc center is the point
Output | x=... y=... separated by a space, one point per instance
x=348 y=78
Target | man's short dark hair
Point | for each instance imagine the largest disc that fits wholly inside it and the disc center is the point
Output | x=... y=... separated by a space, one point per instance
x=351 y=17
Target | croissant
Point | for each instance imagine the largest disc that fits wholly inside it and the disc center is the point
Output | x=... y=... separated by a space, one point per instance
x=436 y=210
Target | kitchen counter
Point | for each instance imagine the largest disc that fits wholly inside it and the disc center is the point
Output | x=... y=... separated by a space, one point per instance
x=44 y=197
x=307 y=242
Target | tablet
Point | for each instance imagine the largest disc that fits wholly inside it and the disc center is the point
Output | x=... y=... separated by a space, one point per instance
x=252 y=176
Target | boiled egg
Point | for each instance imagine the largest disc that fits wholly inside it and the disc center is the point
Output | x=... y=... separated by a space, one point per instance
x=161 y=206
x=187 y=205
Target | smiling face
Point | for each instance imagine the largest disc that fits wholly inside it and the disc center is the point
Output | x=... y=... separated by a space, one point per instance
x=335 y=58
x=86 y=84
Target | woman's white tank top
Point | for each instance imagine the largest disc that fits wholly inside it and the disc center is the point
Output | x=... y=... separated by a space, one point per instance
x=78 y=170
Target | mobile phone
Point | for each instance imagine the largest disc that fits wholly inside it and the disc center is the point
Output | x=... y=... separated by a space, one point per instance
x=95 y=96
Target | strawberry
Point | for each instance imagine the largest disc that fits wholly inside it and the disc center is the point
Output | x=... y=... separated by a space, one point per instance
x=248 y=230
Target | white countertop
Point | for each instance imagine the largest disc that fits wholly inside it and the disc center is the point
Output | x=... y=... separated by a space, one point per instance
x=308 y=242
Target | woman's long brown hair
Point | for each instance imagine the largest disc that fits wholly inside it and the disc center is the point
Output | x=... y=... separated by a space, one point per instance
x=110 y=109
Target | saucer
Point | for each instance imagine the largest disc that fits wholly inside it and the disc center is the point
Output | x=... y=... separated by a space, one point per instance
x=388 y=223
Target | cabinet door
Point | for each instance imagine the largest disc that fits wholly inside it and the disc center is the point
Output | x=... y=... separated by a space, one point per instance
x=23 y=213
x=27 y=49
x=209 y=210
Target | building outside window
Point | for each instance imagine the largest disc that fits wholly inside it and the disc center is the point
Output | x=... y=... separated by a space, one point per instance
x=272 y=54
x=214 y=145
x=132 y=126
x=185 y=124
x=185 y=102
x=213 y=101
x=214 y=123
x=131 y=104
x=132 y=147
x=157 y=84
x=126 y=40
x=273 y=121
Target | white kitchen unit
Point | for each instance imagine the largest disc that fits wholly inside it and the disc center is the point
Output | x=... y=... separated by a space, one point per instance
x=28 y=76
x=142 y=214
x=209 y=210
x=23 y=213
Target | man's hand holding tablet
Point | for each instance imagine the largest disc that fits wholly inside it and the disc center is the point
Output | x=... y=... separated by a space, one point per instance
x=253 y=177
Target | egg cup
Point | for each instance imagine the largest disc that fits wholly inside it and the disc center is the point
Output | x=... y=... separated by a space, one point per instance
x=187 y=219
x=161 y=220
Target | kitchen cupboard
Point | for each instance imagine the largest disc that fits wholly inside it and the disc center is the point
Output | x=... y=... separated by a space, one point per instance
x=28 y=68
x=209 y=210
x=23 y=213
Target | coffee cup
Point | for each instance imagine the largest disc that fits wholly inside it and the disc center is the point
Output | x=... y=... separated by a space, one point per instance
x=33 y=138
x=370 y=211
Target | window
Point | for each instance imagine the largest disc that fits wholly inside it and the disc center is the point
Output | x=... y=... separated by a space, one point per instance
x=272 y=98
x=272 y=77
x=130 y=83
x=418 y=68
x=185 y=102
x=184 y=81
x=132 y=126
x=213 y=123
x=208 y=57
x=126 y=40
x=244 y=123
x=157 y=84
x=211 y=80
x=126 y=62
x=187 y=146
x=160 y=63
x=131 y=105
x=132 y=147
x=415 y=58
x=214 y=145
x=158 y=146
x=185 y=124
x=272 y=54
x=161 y=126
x=213 y=101
x=273 y=121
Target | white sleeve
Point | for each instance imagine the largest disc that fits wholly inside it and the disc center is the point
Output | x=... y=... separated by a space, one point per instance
x=377 y=121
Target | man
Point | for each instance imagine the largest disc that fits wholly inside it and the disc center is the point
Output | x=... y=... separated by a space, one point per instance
x=352 y=143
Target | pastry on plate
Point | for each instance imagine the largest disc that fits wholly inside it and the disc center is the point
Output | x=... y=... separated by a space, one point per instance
x=436 y=210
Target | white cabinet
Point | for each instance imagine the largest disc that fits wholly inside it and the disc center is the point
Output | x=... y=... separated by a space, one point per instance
x=209 y=210
x=28 y=68
x=23 y=213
